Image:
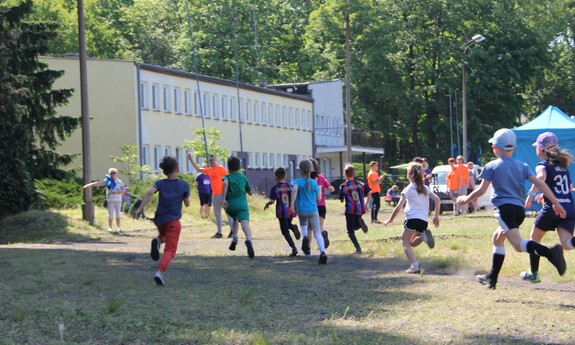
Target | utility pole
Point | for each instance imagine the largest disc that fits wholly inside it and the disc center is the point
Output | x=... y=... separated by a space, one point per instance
x=347 y=85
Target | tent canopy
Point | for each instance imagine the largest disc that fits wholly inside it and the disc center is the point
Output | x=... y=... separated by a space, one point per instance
x=551 y=120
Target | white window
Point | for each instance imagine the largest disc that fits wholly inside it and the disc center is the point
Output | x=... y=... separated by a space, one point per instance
x=178 y=156
x=297 y=118
x=145 y=155
x=248 y=111
x=284 y=117
x=241 y=115
x=278 y=116
x=155 y=96
x=167 y=151
x=144 y=95
x=303 y=121
x=258 y=161
x=286 y=161
x=215 y=108
x=233 y=105
x=177 y=96
x=166 y=98
x=196 y=104
x=256 y=112
x=309 y=118
x=247 y=156
x=188 y=165
x=272 y=161
x=206 y=104
x=157 y=153
x=271 y=114
x=187 y=101
x=290 y=115
x=264 y=113
x=225 y=107
x=264 y=160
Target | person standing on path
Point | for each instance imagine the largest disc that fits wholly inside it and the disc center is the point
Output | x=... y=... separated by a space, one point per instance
x=374 y=184
x=216 y=173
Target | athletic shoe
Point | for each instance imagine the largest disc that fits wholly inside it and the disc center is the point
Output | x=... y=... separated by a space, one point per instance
x=231 y=234
x=322 y=259
x=557 y=259
x=530 y=277
x=159 y=278
x=120 y=232
x=250 y=247
x=413 y=269
x=155 y=251
x=375 y=221
x=357 y=251
x=486 y=280
x=305 y=245
x=362 y=225
x=325 y=239
x=296 y=232
x=110 y=230
x=293 y=252
x=427 y=237
x=217 y=235
x=233 y=245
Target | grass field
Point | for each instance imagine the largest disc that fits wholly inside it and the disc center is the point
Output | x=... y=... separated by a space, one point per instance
x=77 y=284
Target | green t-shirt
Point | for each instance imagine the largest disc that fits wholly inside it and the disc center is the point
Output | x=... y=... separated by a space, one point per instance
x=238 y=186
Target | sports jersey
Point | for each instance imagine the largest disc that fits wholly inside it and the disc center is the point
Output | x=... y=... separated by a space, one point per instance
x=353 y=192
x=559 y=181
x=281 y=194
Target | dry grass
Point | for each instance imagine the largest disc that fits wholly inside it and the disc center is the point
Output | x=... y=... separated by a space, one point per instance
x=99 y=287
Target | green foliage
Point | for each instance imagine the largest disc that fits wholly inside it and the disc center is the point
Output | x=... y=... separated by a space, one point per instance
x=198 y=145
x=130 y=164
x=56 y=194
x=30 y=129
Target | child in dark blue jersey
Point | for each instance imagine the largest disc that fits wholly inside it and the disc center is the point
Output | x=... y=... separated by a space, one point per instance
x=281 y=193
x=353 y=193
x=508 y=176
x=553 y=170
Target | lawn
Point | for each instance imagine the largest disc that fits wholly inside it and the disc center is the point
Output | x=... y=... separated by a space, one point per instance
x=77 y=284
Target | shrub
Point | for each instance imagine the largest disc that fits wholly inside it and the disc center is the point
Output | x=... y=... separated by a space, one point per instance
x=65 y=194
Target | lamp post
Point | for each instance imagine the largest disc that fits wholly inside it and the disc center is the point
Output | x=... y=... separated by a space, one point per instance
x=472 y=41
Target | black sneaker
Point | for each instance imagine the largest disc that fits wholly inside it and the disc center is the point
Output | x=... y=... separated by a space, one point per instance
x=250 y=247
x=233 y=245
x=486 y=280
x=155 y=251
x=217 y=235
x=296 y=232
x=305 y=245
x=293 y=252
x=557 y=259
x=325 y=238
x=363 y=226
x=322 y=259
x=358 y=250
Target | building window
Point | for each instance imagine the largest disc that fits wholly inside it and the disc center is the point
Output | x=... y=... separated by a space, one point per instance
x=215 y=109
x=257 y=162
x=233 y=114
x=187 y=101
x=279 y=161
x=309 y=118
x=290 y=115
x=196 y=104
x=167 y=151
x=284 y=117
x=157 y=153
x=177 y=96
x=264 y=160
x=249 y=161
x=256 y=112
x=272 y=161
x=145 y=155
x=264 y=114
x=303 y=120
x=144 y=95
x=155 y=96
x=248 y=111
x=271 y=114
x=297 y=119
x=241 y=115
x=206 y=105
x=224 y=107
x=166 y=98
x=278 y=117
x=178 y=156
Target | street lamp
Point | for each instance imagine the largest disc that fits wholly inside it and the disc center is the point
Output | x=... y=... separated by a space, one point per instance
x=472 y=41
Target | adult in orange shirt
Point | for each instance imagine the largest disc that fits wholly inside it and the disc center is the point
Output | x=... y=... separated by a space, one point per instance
x=216 y=173
x=374 y=182
x=463 y=175
x=452 y=180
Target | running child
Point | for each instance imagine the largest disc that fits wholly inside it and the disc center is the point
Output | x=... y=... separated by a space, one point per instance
x=508 y=176
x=353 y=193
x=553 y=170
x=281 y=193
x=173 y=192
x=234 y=201
x=416 y=197
x=305 y=195
x=323 y=184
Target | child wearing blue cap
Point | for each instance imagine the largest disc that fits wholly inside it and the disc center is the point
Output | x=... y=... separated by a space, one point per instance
x=508 y=175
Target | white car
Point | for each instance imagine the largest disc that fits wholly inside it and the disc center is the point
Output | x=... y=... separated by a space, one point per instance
x=439 y=186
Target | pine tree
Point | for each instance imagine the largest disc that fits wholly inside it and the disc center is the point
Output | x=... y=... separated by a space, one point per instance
x=30 y=129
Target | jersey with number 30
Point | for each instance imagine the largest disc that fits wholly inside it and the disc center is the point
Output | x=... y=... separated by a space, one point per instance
x=559 y=181
x=353 y=193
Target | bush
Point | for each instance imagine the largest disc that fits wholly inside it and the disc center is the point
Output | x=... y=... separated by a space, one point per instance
x=65 y=194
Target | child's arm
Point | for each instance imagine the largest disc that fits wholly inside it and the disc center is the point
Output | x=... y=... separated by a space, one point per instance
x=145 y=201
x=542 y=175
x=187 y=201
x=293 y=197
x=462 y=200
x=224 y=192
x=544 y=188
x=396 y=210
x=268 y=204
x=437 y=202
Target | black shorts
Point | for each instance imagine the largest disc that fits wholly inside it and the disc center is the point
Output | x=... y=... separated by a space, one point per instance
x=205 y=199
x=415 y=224
x=321 y=210
x=509 y=216
x=547 y=220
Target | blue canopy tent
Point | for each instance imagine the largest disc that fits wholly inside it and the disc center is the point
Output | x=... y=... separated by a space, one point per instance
x=551 y=120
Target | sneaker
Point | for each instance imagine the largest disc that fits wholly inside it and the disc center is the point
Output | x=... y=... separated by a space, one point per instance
x=486 y=280
x=293 y=252
x=529 y=276
x=357 y=251
x=362 y=225
x=325 y=239
x=557 y=259
x=217 y=235
x=413 y=269
x=375 y=221
x=119 y=232
x=159 y=278
x=231 y=234
x=296 y=232
x=322 y=259
x=305 y=245
x=155 y=251
x=427 y=237
x=233 y=245
x=250 y=247
x=110 y=230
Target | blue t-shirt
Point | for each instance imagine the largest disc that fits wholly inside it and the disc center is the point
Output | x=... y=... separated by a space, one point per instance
x=172 y=194
x=204 y=186
x=508 y=176
x=306 y=200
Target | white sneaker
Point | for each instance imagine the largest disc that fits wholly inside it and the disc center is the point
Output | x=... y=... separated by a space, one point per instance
x=110 y=230
x=159 y=278
x=413 y=269
x=120 y=232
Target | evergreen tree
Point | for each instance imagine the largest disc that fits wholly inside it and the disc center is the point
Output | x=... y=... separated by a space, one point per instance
x=30 y=129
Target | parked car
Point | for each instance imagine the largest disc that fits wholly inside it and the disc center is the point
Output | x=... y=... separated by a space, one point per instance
x=439 y=186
